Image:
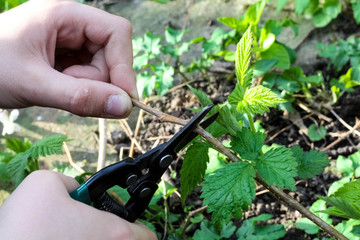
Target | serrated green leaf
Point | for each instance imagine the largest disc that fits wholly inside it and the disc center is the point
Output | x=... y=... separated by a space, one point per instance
x=279 y=53
x=193 y=168
x=17 y=145
x=208 y=232
x=229 y=190
x=309 y=163
x=201 y=96
x=253 y=13
x=278 y=167
x=247 y=144
x=229 y=118
x=48 y=145
x=341 y=208
x=16 y=167
x=242 y=58
x=4 y=175
x=258 y=100
x=250 y=230
x=316 y=133
x=349 y=192
x=173 y=36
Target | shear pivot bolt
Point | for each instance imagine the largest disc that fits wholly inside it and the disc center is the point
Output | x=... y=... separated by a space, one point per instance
x=146 y=191
x=165 y=161
x=132 y=178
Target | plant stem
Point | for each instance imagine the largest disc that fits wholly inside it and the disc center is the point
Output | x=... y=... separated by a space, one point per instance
x=281 y=195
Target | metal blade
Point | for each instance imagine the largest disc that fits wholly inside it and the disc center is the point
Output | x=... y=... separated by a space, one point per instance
x=181 y=137
x=191 y=135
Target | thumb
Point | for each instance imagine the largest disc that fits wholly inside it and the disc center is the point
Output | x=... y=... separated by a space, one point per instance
x=81 y=96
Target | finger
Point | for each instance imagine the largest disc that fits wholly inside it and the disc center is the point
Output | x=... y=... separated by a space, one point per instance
x=110 y=31
x=96 y=70
x=80 y=96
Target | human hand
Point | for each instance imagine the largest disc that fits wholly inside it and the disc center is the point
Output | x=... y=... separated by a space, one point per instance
x=41 y=208
x=90 y=48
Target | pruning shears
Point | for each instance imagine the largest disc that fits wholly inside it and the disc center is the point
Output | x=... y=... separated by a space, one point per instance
x=140 y=176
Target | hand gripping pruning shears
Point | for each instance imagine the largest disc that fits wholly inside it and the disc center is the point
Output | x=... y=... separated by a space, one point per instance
x=140 y=176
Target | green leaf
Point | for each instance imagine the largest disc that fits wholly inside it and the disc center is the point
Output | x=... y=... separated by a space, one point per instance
x=201 y=96
x=332 y=8
x=316 y=133
x=349 y=192
x=17 y=145
x=256 y=100
x=145 y=84
x=262 y=66
x=242 y=58
x=229 y=119
x=16 y=167
x=48 y=145
x=338 y=184
x=151 y=45
x=253 y=13
x=229 y=190
x=341 y=208
x=349 y=166
x=194 y=167
x=163 y=78
x=250 y=230
x=356 y=11
x=300 y=6
x=346 y=228
x=208 y=231
x=173 y=36
x=280 y=4
x=278 y=167
x=247 y=144
x=279 y=53
x=308 y=226
x=309 y=163
x=321 y=19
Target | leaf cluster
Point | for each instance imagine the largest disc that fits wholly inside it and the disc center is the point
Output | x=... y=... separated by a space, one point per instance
x=230 y=188
x=24 y=159
x=342 y=201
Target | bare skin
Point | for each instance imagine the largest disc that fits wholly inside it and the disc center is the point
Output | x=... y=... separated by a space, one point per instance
x=62 y=54
x=41 y=208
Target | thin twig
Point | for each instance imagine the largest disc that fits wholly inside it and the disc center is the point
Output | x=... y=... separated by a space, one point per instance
x=189 y=216
x=102 y=144
x=133 y=140
x=72 y=163
x=343 y=122
x=273 y=189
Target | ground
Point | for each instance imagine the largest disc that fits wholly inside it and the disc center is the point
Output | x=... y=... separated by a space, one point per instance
x=36 y=122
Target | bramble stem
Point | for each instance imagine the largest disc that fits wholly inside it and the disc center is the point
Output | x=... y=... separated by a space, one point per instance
x=280 y=195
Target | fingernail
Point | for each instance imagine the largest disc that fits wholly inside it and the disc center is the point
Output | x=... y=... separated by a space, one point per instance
x=118 y=105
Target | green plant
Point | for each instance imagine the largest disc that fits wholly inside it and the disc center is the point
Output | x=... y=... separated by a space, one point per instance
x=8 y=4
x=155 y=72
x=341 y=54
x=24 y=158
x=230 y=189
x=343 y=199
